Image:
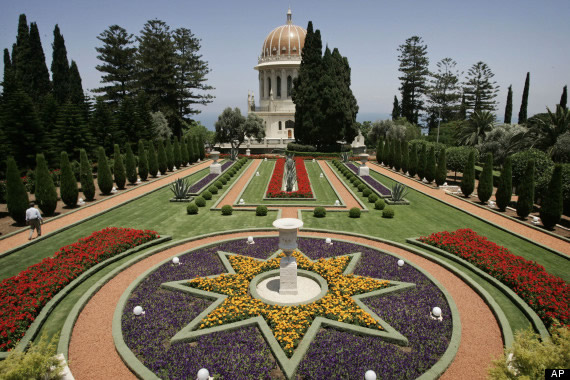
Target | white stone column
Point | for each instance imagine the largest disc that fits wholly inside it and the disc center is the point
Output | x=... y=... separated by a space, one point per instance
x=260 y=77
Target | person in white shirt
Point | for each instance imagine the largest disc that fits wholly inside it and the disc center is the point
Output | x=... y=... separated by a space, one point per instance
x=34 y=219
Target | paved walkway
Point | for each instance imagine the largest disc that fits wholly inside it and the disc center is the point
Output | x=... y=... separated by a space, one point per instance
x=239 y=185
x=52 y=225
x=92 y=352
x=530 y=233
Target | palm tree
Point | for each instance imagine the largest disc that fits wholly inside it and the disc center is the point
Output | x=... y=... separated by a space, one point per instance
x=547 y=131
x=474 y=131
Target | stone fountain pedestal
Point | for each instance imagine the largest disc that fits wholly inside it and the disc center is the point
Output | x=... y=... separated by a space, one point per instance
x=288 y=266
x=215 y=168
x=363 y=169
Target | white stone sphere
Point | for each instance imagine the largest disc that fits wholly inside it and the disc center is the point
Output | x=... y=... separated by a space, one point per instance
x=328 y=240
x=400 y=263
x=138 y=310
x=175 y=260
x=370 y=375
x=203 y=374
x=250 y=239
x=337 y=203
x=436 y=311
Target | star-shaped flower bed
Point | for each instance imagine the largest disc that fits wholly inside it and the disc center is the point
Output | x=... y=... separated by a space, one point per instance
x=288 y=329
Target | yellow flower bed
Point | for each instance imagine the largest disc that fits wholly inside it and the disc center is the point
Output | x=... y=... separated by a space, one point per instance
x=289 y=323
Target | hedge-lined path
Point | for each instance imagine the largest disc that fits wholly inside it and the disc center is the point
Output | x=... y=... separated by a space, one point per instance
x=92 y=352
x=65 y=220
x=528 y=232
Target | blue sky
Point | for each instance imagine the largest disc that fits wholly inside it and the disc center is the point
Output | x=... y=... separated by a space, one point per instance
x=512 y=37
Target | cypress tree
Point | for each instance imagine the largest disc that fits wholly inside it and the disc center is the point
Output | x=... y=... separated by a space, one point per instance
x=76 y=95
x=86 y=177
x=405 y=156
x=441 y=172
x=468 y=180
x=119 y=168
x=143 y=161
x=104 y=176
x=551 y=208
x=46 y=194
x=564 y=98
x=152 y=160
x=21 y=55
x=413 y=163
x=161 y=158
x=525 y=191
x=68 y=187
x=397 y=155
x=177 y=154
x=201 y=147
x=485 y=186
x=60 y=67
x=422 y=160
x=379 y=150
x=16 y=194
x=169 y=155
x=430 y=165
x=40 y=84
x=396 y=109
x=524 y=104
x=196 y=149
x=184 y=151
x=131 y=165
x=393 y=144
x=386 y=153
x=190 y=148
x=509 y=106
x=505 y=188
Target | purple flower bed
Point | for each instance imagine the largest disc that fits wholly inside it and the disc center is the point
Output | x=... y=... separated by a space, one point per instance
x=243 y=354
x=383 y=190
x=209 y=178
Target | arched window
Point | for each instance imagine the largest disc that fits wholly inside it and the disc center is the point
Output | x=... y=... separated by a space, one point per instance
x=262 y=88
x=289 y=124
x=280 y=126
x=278 y=87
x=289 y=85
x=268 y=86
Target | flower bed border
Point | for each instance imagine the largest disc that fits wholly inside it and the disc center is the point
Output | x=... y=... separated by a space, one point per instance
x=205 y=187
x=266 y=198
x=367 y=184
x=45 y=312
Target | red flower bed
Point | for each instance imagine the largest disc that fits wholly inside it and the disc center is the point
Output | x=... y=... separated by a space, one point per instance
x=303 y=183
x=23 y=296
x=546 y=294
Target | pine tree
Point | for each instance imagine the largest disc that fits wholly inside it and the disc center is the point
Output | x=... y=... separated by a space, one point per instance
x=480 y=92
x=396 y=109
x=202 y=147
x=46 y=194
x=86 y=177
x=430 y=165
x=485 y=186
x=60 y=68
x=131 y=166
x=40 y=84
x=552 y=204
x=162 y=166
x=16 y=194
x=468 y=179
x=177 y=154
x=143 y=161
x=379 y=150
x=441 y=172
x=76 y=95
x=505 y=188
x=397 y=155
x=152 y=160
x=119 y=168
x=184 y=151
x=71 y=130
x=405 y=157
x=413 y=165
x=68 y=187
x=103 y=127
x=104 y=176
x=414 y=64
x=422 y=161
x=509 y=106
x=169 y=155
x=463 y=108
x=564 y=98
x=525 y=190
x=443 y=94
x=524 y=103
x=190 y=148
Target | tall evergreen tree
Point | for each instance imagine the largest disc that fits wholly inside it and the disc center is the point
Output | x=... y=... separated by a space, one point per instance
x=71 y=130
x=509 y=106
x=552 y=204
x=9 y=83
x=190 y=146
x=68 y=188
x=386 y=152
x=86 y=176
x=525 y=190
x=169 y=155
x=505 y=188
x=468 y=179
x=393 y=158
x=441 y=171
x=422 y=161
x=104 y=176
x=413 y=165
x=162 y=165
x=76 y=95
x=16 y=194
x=131 y=166
x=524 y=103
x=21 y=54
x=184 y=151
x=430 y=171
x=119 y=168
x=564 y=98
x=485 y=185
x=152 y=160
x=60 y=68
x=379 y=150
x=462 y=108
x=46 y=194
x=126 y=120
x=177 y=153
x=196 y=149
x=444 y=93
x=396 y=109
x=201 y=147
x=40 y=84
x=405 y=156
x=103 y=127
x=480 y=92
x=397 y=155
x=414 y=64
x=143 y=161
x=49 y=114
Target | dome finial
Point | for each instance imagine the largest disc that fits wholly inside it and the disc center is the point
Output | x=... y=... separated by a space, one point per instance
x=289 y=16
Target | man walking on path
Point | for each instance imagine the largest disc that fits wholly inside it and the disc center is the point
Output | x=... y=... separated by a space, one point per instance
x=34 y=219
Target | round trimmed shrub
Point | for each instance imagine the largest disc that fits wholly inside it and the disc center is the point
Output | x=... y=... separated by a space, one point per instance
x=261 y=210
x=192 y=209
x=219 y=184
x=206 y=195
x=223 y=180
x=200 y=201
x=372 y=198
x=226 y=177
x=353 y=179
x=319 y=212
x=361 y=187
x=388 y=212
x=227 y=210
x=379 y=204
x=213 y=189
x=354 y=212
x=366 y=192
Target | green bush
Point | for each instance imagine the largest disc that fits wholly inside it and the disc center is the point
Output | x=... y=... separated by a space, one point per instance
x=525 y=202
x=388 y=212
x=119 y=169
x=542 y=164
x=16 y=195
x=379 y=204
x=143 y=161
x=458 y=156
x=177 y=153
x=227 y=210
x=354 y=212
x=207 y=195
x=372 y=198
x=505 y=188
x=68 y=190
x=261 y=210
x=213 y=189
x=441 y=171
x=193 y=208
x=485 y=186
x=219 y=184
x=152 y=160
x=361 y=187
x=366 y=192
x=551 y=208
x=405 y=156
x=104 y=177
x=353 y=179
x=319 y=212
x=200 y=201
x=226 y=177
x=162 y=166
x=430 y=165
x=86 y=177
x=169 y=155
x=184 y=152
x=301 y=148
x=413 y=161
x=131 y=166
x=223 y=180
x=46 y=194
x=468 y=180
x=192 y=155
x=421 y=164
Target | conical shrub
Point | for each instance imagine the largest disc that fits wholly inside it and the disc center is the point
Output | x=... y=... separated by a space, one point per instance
x=104 y=176
x=485 y=186
x=405 y=156
x=86 y=176
x=184 y=151
x=552 y=204
x=441 y=171
x=161 y=158
x=422 y=159
x=46 y=193
x=468 y=180
x=177 y=154
x=196 y=147
x=152 y=160
x=201 y=147
x=525 y=190
x=68 y=188
x=169 y=155
x=119 y=168
x=386 y=153
x=16 y=195
x=393 y=144
x=413 y=163
x=143 y=161
x=397 y=155
x=379 y=150
x=131 y=166
x=505 y=188
x=430 y=165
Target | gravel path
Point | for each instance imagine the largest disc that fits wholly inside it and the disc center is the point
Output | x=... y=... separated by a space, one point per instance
x=92 y=353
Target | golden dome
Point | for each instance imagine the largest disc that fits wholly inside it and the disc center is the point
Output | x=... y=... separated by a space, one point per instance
x=286 y=40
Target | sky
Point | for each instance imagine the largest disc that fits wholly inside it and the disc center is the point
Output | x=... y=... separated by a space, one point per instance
x=512 y=36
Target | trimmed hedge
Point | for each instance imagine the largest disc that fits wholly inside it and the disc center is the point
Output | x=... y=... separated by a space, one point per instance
x=86 y=176
x=388 y=212
x=200 y=201
x=354 y=212
x=207 y=195
x=192 y=208
x=213 y=189
x=372 y=198
x=319 y=212
x=219 y=184
x=104 y=176
x=227 y=210
x=380 y=204
x=366 y=192
x=119 y=169
x=68 y=190
x=261 y=210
